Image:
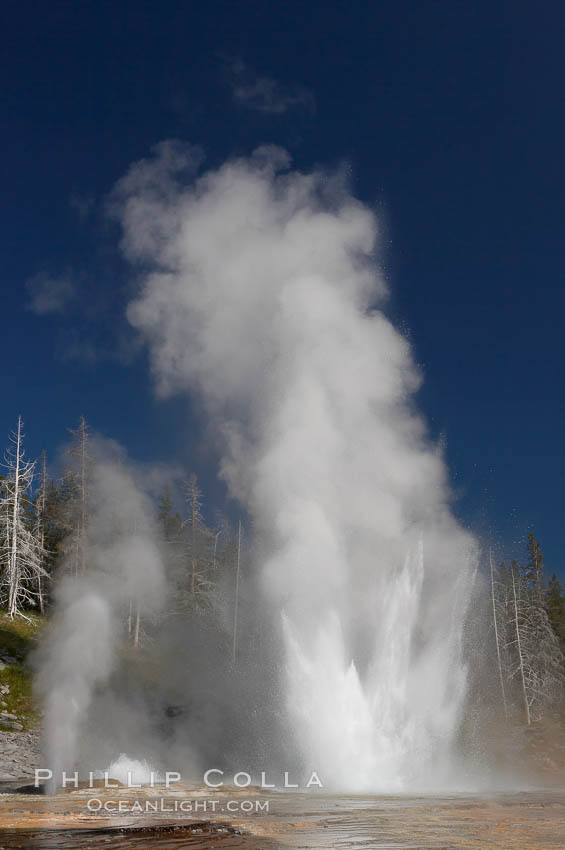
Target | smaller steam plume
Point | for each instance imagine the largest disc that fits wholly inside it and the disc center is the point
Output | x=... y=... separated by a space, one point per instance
x=80 y=653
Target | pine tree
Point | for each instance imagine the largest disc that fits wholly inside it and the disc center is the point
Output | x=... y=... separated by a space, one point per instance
x=169 y=521
x=193 y=498
x=549 y=659
x=75 y=498
x=555 y=607
x=40 y=528
x=198 y=541
x=534 y=570
x=53 y=525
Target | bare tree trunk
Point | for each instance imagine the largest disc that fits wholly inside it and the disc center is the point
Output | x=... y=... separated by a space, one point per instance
x=214 y=567
x=193 y=526
x=520 y=655
x=137 y=614
x=215 y=549
x=13 y=577
x=21 y=556
x=83 y=459
x=496 y=636
x=79 y=450
x=41 y=507
x=137 y=626
x=193 y=495
x=236 y=602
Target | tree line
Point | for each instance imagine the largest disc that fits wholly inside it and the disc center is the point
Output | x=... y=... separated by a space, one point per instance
x=44 y=536
x=528 y=618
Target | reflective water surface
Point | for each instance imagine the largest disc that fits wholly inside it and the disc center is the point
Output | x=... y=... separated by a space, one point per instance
x=201 y=835
x=533 y=820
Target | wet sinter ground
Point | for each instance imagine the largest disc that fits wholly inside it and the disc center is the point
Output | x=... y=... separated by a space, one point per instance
x=518 y=821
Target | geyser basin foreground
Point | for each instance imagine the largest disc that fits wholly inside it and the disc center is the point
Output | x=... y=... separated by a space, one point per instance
x=526 y=821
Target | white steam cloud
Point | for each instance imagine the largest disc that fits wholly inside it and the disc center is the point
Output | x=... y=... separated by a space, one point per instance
x=79 y=653
x=260 y=293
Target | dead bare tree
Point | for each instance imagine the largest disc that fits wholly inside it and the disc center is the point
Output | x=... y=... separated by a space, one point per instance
x=22 y=555
x=497 y=635
x=197 y=542
x=537 y=659
x=236 y=599
x=41 y=501
x=522 y=636
x=193 y=497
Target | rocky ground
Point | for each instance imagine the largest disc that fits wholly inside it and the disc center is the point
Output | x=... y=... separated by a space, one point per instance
x=7 y=719
x=19 y=720
x=19 y=755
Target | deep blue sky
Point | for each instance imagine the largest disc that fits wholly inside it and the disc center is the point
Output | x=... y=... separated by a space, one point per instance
x=451 y=114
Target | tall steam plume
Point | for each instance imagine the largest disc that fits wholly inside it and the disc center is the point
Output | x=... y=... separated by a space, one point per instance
x=259 y=294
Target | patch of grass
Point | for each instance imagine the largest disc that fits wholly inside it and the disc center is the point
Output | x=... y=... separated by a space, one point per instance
x=17 y=638
x=19 y=701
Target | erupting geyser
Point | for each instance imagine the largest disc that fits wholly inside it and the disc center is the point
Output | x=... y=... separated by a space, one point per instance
x=259 y=294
